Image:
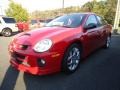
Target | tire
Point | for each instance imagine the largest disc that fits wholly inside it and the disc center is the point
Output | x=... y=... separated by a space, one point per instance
x=7 y=32
x=71 y=59
x=107 y=43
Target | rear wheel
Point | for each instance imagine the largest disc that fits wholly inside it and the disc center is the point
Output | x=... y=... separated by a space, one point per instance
x=6 y=32
x=108 y=41
x=71 y=59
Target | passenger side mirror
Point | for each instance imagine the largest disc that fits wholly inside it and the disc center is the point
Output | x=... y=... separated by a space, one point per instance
x=90 y=26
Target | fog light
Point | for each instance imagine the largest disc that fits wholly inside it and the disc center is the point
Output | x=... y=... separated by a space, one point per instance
x=41 y=62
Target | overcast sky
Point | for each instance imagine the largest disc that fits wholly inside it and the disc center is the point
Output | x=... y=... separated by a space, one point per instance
x=32 y=5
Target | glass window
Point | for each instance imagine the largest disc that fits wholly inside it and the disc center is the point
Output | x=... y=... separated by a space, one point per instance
x=0 y=22
x=91 y=19
x=101 y=21
x=9 y=20
x=70 y=20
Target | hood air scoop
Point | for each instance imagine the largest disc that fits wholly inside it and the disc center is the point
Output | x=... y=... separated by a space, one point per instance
x=27 y=34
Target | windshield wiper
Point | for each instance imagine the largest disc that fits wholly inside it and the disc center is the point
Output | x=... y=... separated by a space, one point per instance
x=66 y=26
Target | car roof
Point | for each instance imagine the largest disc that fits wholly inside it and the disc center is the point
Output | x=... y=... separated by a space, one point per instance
x=86 y=13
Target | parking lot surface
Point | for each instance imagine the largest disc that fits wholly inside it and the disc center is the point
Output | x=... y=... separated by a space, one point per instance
x=99 y=71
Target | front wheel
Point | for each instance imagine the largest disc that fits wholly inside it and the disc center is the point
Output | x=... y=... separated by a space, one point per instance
x=71 y=59
x=7 y=32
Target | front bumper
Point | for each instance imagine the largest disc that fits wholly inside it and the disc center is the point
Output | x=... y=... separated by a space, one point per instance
x=27 y=61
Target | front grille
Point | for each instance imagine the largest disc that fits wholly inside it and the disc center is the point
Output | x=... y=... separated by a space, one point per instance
x=18 y=61
x=18 y=57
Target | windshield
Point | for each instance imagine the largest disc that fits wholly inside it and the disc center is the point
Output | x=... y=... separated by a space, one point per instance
x=9 y=20
x=71 y=21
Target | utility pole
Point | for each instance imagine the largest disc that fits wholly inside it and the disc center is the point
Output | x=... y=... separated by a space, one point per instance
x=117 y=16
x=1 y=11
x=62 y=9
x=62 y=4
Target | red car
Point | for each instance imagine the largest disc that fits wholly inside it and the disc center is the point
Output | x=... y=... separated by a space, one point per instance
x=60 y=45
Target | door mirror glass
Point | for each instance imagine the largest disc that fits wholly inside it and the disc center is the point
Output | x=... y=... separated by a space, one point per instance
x=90 y=26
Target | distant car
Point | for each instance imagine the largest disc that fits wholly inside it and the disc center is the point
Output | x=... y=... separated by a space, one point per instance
x=33 y=24
x=47 y=21
x=7 y=26
x=38 y=23
x=61 y=45
x=20 y=26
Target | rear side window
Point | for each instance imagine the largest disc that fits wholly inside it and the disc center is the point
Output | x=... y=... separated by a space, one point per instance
x=101 y=21
x=91 y=19
x=9 y=20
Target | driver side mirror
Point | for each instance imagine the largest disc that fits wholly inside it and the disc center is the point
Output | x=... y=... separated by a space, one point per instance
x=90 y=26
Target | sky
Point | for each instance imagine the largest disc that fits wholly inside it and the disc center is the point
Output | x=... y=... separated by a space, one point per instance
x=32 y=5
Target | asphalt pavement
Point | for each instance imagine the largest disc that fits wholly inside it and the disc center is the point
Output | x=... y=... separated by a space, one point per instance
x=99 y=71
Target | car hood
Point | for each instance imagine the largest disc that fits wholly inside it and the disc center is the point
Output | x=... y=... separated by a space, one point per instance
x=54 y=33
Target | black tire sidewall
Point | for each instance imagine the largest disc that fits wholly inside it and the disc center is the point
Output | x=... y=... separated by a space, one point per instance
x=105 y=46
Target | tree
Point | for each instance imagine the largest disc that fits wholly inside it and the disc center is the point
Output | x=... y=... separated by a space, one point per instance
x=106 y=9
x=17 y=11
x=100 y=8
x=54 y=13
x=88 y=7
x=111 y=10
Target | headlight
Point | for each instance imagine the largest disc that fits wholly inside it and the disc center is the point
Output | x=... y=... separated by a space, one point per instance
x=43 y=45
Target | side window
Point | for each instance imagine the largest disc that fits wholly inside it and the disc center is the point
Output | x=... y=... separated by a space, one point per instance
x=101 y=21
x=91 y=20
x=0 y=22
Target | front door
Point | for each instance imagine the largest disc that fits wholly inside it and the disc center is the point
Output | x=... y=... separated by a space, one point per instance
x=91 y=36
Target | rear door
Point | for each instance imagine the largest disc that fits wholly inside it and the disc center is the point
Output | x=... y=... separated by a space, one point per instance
x=102 y=24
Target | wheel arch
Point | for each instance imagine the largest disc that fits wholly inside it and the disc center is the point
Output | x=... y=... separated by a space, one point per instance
x=78 y=42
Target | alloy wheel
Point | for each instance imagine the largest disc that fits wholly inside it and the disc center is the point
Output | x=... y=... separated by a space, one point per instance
x=73 y=58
